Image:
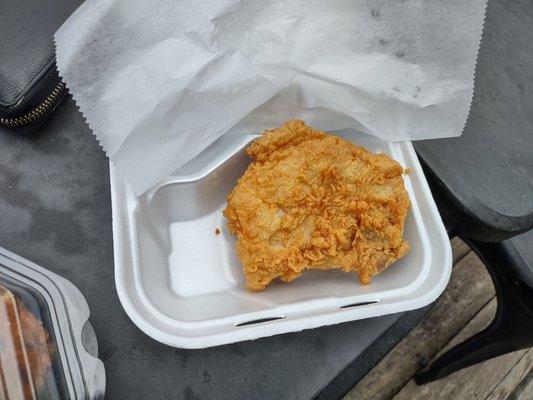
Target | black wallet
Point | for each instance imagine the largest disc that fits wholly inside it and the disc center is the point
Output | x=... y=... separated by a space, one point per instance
x=30 y=87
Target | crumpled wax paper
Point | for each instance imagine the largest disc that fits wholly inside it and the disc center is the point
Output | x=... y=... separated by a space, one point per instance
x=158 y=81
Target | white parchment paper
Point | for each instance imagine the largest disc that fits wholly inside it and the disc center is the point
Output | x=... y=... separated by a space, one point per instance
x=158 y=81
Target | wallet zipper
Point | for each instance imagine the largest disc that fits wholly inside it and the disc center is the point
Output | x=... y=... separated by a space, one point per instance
x=37 y=112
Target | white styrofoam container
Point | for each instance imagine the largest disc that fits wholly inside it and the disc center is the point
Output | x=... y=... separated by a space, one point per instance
x=183 y=285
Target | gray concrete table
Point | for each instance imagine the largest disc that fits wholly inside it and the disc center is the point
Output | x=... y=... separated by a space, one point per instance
x=55 y=210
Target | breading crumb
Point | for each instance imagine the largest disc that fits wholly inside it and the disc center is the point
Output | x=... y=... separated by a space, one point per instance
x=217 y=231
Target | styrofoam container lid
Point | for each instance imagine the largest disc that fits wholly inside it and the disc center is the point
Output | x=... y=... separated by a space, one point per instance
x=183 y=285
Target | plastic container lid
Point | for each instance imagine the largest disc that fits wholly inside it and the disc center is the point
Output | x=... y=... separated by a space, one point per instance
x=46 y=341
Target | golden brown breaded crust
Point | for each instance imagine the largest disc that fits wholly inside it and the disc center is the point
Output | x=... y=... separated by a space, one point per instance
x=311 y=200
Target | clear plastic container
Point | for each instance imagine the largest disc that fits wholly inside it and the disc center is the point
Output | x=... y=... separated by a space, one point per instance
x=46 y=341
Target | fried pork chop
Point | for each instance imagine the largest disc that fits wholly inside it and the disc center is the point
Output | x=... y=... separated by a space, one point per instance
x=311 y=200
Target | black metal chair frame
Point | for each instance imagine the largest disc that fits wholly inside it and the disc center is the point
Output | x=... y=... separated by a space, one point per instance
x=512 y=326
